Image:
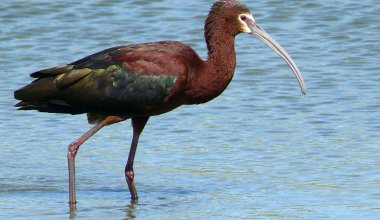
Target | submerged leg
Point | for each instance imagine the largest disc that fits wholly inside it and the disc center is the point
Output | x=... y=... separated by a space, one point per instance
x=138 y=124
x=74 y=147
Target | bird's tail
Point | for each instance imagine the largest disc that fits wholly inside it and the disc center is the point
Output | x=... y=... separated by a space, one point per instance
x=42 y=94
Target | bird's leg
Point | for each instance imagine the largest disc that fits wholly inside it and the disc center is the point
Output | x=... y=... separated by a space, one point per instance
x=74 y=147
x=138 y=124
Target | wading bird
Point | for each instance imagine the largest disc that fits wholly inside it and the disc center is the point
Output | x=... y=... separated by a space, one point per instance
x=142 y=80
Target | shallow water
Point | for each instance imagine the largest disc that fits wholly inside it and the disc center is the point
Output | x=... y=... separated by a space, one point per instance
x=259 y=151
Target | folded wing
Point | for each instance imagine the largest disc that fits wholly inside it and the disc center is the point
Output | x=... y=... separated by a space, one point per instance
x=122 y=80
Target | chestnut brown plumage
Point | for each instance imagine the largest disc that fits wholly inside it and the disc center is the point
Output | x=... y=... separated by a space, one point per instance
x=138 y=81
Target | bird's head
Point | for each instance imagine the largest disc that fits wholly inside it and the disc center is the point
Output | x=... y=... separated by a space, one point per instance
x=234 y=18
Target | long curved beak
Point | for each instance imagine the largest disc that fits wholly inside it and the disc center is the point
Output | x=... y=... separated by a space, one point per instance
x=257 y=31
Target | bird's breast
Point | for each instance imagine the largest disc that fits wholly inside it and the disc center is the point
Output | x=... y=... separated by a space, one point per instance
x=207 y=87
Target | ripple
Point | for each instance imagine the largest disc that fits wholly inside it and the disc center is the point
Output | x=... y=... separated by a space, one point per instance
x=260 y=150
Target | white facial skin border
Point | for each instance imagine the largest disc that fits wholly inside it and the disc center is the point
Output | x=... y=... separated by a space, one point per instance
x=246 y=21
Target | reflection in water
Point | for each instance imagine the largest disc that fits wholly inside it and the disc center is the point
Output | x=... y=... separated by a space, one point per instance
x=73 y=208
x=72 y=213
x=130 y=210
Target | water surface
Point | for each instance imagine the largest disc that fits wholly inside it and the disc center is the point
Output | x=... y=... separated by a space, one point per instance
x=259 y=151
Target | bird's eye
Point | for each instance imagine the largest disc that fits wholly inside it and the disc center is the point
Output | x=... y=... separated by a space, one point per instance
x=243 y=17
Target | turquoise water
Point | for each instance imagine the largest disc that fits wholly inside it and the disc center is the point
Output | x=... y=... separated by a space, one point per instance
x=259 y=151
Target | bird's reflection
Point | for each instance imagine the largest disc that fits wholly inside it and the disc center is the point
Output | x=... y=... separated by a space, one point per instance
x=72 y=212
x=130 y=210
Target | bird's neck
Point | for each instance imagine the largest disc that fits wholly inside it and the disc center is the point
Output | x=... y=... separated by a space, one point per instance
x=220 y=42
x=221 y=54
x=217 y=71
x=221 y=61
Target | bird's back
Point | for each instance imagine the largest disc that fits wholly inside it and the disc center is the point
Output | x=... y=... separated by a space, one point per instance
x=130 y=80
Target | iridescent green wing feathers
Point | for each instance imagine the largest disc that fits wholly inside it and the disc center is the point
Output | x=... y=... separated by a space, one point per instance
x=115 y=90
x=126 y=80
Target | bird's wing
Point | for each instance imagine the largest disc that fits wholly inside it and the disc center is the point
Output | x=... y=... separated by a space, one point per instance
x=128 y=79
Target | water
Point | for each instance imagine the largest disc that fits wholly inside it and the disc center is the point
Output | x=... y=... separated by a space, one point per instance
x=259 y=151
